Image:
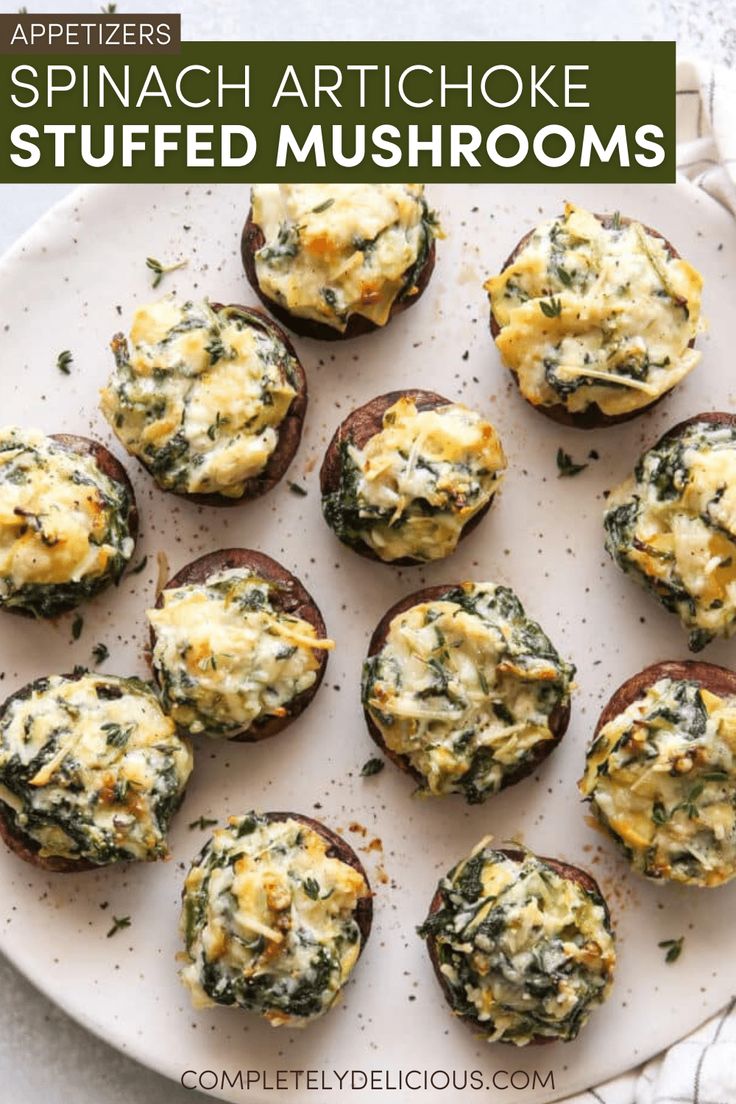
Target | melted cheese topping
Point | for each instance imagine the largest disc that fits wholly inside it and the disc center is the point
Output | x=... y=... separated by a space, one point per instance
x=672 y=526
x=596 y=314
x=227 y=657
x=417 y=482
x=198 y=395
x=62 y=522
x=91 y=768
x=464 y=688
x=335 y=250
x=269 y=921
x=524 y=951
x=661 y=777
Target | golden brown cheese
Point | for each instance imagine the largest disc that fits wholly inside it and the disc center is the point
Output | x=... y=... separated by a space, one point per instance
x=529 y=951
x=90 y=767
x=227 y=657
x=335 y=250
x=465 y=687
x=199 y=395
x=593 y=313
x=672 y=527
x=62 y=521
x=661 y=777
x=269 y=921
x=418 y=481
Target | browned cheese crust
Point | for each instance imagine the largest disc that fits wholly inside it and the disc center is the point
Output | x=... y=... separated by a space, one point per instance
x=24 y=846
x=362 y=424
x=290 y=597
x=338 y=849
x=719 y=680
x=592 y=417
x=252 y=240
x=289 y=432
x=110 y=466
x=559 y=718
x=712 y=417
x=565 y=870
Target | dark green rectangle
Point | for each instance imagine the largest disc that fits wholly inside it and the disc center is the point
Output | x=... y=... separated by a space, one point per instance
x=629 y=85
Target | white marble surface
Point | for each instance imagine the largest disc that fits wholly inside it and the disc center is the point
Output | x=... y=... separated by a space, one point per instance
x=45 y=1058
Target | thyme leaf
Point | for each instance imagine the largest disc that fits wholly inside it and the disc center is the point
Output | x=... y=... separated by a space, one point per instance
x=566 y=466
x=551 y=309
x=371 y=766
x=659 y=813
x=159 y=270
x=118 y=923
x=63 y=362
x=117 y=736
x=311 y=888
x=673 y=947
x=202 y=823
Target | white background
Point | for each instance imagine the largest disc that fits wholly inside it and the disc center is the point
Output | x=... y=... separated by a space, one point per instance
x=44 y=1056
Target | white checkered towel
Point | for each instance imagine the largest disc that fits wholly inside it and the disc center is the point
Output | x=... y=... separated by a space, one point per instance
x=706 y=129
x=700 y=1069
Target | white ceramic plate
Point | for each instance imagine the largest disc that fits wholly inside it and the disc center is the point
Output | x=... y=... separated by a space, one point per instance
x=70 y=284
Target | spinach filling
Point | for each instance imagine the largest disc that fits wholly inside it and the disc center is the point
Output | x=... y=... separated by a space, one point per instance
x=225 y=656
x=276 y=955
x=660 y=778
x=425 y=495
x=595 y=312
x=109 y=529
x=653 y=519
x=341 y=508
x=157 y=394
x=631 y=368
x=470 y=702
x=349 y=514
x=280 y=253
x=301 y=997
x=94 y=803
x=430 y=230
x=524 y=953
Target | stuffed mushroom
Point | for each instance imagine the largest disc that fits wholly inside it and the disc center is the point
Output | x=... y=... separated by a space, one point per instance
x=672 y=525
x=239 y=647
x=68 y=521
x=334 y=261
x=522 y=946
x=463 y=691
x=660 y=772
x=276 y=911
x=596 y=317
x=408 y=475
x=210 y=398
x=91 y=772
